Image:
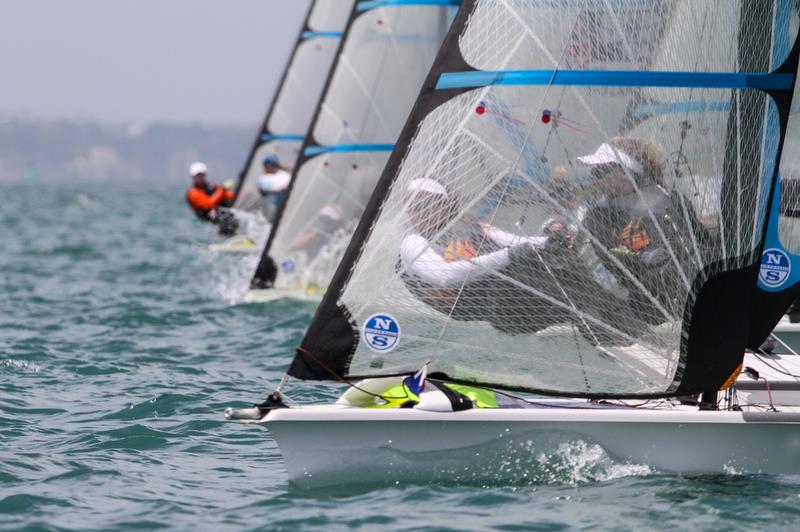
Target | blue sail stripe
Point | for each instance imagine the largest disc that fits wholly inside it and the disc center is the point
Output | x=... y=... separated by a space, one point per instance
x=615 y=78
x=322 y=34
x=372 y=4
x=316 y=150
x=295 y=138
x=699 y=106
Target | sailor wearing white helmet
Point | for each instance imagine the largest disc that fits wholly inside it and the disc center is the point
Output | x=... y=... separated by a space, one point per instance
x=641 y=230
x=322 y=229
x=208 y=200
x=475 y=271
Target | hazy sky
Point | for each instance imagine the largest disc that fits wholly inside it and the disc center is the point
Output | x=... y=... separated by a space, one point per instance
x=210 y=61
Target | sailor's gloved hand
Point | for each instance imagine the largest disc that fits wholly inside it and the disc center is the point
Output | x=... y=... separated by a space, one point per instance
x=559 y=234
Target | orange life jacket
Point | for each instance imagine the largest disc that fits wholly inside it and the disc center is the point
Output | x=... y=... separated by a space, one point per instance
x=633 y=236
x=204 y=199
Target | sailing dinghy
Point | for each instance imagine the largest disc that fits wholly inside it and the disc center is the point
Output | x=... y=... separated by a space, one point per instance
x=387 y=50
x=577 y=208
x=288 y=116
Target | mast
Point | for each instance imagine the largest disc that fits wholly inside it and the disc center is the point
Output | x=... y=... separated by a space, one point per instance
x=281 y=132
x=537 y=102
x=349 y=140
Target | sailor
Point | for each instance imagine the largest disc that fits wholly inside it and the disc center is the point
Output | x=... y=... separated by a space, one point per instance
x=273 y=183
x=470 y=270
x=475 y=271
x=328 y=221
x=208 y=200
x=647 y=232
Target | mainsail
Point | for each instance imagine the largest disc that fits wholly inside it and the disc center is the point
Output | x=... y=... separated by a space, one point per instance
x=387 y=50
x=290 y=112
x=578 y=204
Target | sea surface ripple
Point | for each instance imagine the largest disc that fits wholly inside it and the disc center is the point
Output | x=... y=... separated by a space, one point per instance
x=120 y=348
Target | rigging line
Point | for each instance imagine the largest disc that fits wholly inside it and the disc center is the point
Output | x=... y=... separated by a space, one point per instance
x=343 y=380
x=561 y=211
x=774 y=368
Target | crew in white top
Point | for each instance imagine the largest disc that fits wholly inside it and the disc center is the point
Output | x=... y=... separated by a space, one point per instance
x=449 y=264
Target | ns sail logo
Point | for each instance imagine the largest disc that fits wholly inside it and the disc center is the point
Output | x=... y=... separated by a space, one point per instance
x=381 y=332
x=775 y=268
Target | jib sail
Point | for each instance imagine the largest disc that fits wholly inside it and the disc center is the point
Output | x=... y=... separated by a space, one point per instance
x=577 y=205
x=387 y=51
x=292 y=107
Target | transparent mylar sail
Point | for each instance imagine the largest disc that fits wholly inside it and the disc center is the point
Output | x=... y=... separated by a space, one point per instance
x=563 y=215
x=388 y=51
x=293 y=106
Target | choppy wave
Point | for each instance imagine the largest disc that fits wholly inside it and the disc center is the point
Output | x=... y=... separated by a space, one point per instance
x=119 y=350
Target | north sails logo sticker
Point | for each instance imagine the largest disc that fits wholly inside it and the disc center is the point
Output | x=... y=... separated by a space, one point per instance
x=381 y=332
x=775 y=267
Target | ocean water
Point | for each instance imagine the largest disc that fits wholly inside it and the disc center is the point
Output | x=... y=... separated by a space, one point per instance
x=120 y=348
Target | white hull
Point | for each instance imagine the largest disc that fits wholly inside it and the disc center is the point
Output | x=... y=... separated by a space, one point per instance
x=346 y=442
x=273 y=294
x=332 y=444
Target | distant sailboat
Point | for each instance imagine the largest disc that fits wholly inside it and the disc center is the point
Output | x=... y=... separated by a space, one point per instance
x=292 y=107
x=387 y=50
x=580 y=206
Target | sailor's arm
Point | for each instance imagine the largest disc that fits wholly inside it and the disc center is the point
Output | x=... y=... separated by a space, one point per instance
x=200 y=200
x=505 y=239
x=422 y=262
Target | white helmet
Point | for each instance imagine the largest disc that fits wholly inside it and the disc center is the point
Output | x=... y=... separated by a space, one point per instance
x=197 y=168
